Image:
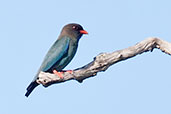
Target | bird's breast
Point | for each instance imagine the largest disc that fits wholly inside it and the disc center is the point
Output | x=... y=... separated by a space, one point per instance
x=67 y=57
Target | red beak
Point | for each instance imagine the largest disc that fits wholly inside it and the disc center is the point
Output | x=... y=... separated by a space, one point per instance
x=83 y=32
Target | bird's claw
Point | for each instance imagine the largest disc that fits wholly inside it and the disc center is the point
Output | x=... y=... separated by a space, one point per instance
x=69 y=71
x=58 y=74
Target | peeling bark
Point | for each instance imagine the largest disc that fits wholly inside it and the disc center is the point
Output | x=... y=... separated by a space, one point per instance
x=104 y=60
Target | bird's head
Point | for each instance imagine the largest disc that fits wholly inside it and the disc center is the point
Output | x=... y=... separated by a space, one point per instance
x=73 y=30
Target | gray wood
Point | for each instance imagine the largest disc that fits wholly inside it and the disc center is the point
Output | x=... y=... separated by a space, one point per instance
x=104 y=60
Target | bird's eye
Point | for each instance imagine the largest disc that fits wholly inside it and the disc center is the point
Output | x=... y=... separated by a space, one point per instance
x=75 y=27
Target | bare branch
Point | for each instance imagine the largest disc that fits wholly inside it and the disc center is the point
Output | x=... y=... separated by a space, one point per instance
x=104 y=60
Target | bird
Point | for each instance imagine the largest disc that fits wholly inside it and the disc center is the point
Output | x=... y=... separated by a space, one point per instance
x=60 y=54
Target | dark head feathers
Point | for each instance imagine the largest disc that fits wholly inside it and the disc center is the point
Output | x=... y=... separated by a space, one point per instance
x=73 y=30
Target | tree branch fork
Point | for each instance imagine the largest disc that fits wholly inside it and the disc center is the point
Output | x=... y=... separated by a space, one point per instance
x=104 y=60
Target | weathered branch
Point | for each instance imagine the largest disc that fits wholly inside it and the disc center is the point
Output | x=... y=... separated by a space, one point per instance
x=104 y=60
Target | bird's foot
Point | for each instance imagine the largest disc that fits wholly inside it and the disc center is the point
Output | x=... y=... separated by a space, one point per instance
x=58 y=74
x=69 y=71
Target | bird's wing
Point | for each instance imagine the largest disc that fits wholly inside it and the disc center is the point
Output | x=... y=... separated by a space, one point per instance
x=55 y=53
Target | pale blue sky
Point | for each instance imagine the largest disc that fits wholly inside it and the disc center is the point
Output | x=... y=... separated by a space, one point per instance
x=140 y=85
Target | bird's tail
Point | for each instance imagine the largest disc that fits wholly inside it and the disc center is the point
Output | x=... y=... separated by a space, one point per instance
x=31 y=87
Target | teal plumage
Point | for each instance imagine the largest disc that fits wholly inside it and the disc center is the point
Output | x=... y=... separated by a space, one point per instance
x=61 y=52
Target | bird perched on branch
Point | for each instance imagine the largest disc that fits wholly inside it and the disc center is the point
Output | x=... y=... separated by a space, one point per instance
x=61 y=53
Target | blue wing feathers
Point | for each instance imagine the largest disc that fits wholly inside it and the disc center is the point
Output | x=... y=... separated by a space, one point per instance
x=56 y=52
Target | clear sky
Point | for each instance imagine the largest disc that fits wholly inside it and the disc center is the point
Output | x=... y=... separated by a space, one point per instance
x=140 y=85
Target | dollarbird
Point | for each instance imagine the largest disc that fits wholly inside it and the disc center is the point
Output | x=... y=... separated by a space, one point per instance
x=61 y=53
